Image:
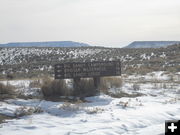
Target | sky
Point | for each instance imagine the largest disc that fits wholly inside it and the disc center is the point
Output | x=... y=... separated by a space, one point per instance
x=111 y=23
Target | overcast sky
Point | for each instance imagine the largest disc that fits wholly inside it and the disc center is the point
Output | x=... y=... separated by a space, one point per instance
x=98 y=22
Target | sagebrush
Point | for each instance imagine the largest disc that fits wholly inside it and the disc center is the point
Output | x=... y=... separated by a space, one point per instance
x=7 y=91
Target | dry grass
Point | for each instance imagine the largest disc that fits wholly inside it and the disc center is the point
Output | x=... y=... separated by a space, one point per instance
x=23 y=111
x=136 y=87
x=171 y=101
x=123 y=104
x=128 y=103
x=3 y=118
x=110 y=82
x=70 y=107
x=164 y=85
x=115 y=82
x=35 y=83
x=93 y=110
x=120 y=94
x=141 y=70
x=79 y=106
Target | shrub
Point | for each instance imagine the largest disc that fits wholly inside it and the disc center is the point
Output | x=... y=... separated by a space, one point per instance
x=35 y=84
x=104 y=87
x=123 y=104
x=155 y=86
x=23 y=111
x=51 y=88
x=93 y=110
x=6 y=91
x=136 y=87
x=117 y=83
x=164 y=86
x=110 y=82
x=70 y=107
x=79 y=107
x=120 y=94
x=9 y=76
x=86 y=88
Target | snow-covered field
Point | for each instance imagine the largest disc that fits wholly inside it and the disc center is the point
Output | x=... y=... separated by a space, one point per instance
x=101 y=115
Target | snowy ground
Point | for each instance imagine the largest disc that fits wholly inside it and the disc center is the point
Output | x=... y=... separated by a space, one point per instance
x=102 y=115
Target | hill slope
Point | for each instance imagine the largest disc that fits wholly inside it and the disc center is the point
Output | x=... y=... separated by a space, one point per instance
x=45 y=44
x=151 y=44
x=30 y=62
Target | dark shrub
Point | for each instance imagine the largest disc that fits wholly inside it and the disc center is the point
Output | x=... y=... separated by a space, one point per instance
x=86 y=88
x=51 y=88
x=9 y=76
x=6 y=91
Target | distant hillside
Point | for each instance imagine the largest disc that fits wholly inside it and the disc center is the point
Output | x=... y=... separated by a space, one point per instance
x=151 y=44
x=45 y=44
x=34 y=61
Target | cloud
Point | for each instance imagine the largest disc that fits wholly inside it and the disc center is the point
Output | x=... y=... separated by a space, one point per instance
x=101 y=22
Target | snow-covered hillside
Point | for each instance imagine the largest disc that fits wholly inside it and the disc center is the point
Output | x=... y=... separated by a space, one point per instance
x=151 y=44
x=45 y=44
x=30 y=61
